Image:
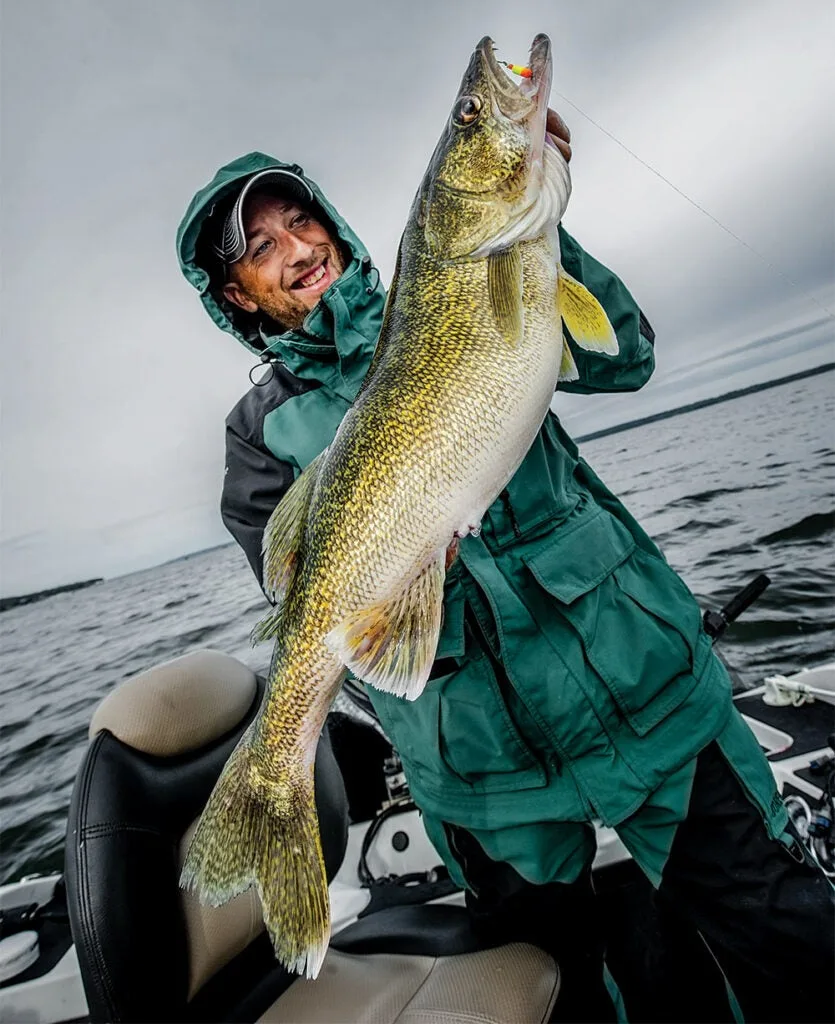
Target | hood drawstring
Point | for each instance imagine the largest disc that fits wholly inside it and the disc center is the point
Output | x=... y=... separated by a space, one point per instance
x=370 y=269
x=269 y=358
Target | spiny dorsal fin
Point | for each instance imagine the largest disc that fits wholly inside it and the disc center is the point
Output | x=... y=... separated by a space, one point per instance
x=584 y=317
x=504 y=283
x=285 y=529
x=568 y=368
x=391 y=644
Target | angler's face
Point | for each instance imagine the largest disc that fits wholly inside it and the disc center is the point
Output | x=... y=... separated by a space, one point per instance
x=290 y=260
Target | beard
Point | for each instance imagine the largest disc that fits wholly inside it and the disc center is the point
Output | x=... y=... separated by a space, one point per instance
x=289 y=312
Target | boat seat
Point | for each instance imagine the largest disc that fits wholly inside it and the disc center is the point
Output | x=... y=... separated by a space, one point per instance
x=514 y=984
x=158 y=743
x=150 y=952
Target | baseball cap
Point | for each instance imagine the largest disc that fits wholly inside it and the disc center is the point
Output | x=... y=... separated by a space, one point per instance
x=230 y=243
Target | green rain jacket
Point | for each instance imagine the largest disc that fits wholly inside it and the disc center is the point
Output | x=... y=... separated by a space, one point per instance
x=573 y=675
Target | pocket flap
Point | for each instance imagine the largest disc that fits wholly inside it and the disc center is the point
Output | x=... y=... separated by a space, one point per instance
x=573 y=559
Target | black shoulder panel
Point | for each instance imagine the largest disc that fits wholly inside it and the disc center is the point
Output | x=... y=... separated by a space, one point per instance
x=279 y=384
x=255 y=480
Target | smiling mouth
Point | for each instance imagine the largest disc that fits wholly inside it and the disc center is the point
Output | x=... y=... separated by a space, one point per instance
x=312 y=277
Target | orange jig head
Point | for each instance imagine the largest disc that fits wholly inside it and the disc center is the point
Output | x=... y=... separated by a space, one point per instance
x=517 y=69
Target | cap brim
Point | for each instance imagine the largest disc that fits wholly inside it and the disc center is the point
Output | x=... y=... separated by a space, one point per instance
x=233 y=238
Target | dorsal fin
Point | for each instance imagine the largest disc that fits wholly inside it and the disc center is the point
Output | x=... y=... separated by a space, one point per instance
x=285 y=529
x=280 y=545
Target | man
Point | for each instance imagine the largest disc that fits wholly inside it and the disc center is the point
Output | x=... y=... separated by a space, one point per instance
x=573 y=679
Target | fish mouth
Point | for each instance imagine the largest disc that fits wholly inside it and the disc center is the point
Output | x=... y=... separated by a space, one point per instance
x=523 y=99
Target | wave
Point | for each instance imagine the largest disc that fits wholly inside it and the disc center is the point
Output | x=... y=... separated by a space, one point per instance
x=744 y=551
x=24 y=755
x=57 y=668
x=818 y=524
x=174 y=646
x=702 y=497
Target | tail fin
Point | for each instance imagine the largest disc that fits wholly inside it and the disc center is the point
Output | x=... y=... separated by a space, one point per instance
x=269 y=838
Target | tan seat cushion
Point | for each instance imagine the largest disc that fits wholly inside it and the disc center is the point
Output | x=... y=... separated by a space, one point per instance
x=514 y=984
x=179 y=706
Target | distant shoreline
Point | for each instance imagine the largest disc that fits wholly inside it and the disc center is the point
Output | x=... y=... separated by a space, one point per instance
x=752 y=389
x=13 y=602
x=39 y=595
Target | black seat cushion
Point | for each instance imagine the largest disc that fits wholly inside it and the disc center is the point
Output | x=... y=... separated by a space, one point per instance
x=127 y=816
x=433 y=929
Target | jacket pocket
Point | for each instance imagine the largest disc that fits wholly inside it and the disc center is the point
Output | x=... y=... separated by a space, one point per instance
x=460 y=733
x=638 y=623
x=478 y=739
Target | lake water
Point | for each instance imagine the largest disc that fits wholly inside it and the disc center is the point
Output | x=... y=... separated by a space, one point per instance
x=727 y=491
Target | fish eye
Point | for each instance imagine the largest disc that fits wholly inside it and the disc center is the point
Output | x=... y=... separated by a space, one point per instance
x=468 y=109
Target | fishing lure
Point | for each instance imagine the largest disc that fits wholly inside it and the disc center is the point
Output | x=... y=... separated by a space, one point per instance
x=517 y=69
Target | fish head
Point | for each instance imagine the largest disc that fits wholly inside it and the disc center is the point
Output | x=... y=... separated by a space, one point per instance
x=490 y=165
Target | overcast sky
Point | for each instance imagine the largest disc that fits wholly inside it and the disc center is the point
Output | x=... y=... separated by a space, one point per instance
x=115 y=384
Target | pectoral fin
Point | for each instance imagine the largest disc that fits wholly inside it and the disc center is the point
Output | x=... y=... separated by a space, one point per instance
x=285 y=529
x=391 y=645
x=504 y=283
x=584 y=317
x=568 y=368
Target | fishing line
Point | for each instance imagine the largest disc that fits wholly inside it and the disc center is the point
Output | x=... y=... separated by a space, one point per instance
x=693 y=202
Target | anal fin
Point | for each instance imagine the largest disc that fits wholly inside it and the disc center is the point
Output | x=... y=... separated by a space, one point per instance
x=391 y=644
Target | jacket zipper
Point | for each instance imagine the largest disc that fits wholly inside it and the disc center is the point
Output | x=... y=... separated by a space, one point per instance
x=505 y=496
x=471 y=619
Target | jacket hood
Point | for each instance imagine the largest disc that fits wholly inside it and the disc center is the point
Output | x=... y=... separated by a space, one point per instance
x=337 y=339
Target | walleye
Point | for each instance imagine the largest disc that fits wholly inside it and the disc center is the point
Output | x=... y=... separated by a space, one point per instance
x=470 y=353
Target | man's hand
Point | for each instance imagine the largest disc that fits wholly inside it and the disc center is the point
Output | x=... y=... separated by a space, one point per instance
x=451 y=552
x=560 y=135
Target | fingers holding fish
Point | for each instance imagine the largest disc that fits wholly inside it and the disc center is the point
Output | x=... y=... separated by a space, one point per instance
x=559 y=133
x=451 y=552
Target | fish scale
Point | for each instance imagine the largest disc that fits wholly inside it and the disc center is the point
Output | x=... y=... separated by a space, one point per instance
x=469 y=356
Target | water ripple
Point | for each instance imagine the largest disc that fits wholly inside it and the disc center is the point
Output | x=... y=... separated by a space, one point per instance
x=811 y=527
